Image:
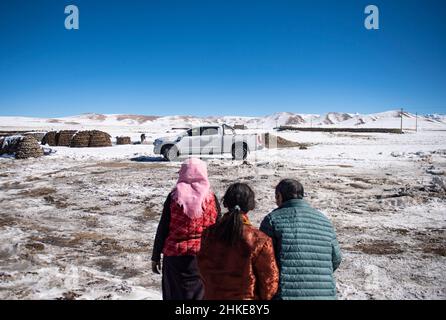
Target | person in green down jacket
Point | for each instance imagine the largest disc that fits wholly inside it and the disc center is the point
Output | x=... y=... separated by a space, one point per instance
x=305 y=245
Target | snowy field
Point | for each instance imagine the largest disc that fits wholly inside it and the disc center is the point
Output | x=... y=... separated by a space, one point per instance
x=79 y=224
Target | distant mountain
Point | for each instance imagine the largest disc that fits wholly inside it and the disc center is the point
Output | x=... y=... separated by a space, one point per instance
x=388 y=119
x=335 y=117
x=437 y=117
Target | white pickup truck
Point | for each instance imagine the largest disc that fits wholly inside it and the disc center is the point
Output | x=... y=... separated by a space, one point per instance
x=208 y=140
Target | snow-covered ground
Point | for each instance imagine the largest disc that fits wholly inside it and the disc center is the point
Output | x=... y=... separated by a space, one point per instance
x=80 y=223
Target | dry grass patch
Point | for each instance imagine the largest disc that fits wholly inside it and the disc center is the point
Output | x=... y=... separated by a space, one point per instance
x=439 y=250
x=38 y=192
x=35 y=246
x=14 y=186
x=58 y=203
x=32 y=178
x=379 y=247
x=6 y=221
x=150 y=214
x=359 y=186
x=75 y=240
x=400 y=231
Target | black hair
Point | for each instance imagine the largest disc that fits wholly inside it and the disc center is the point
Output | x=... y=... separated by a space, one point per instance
x=290 y=189
x=239 y=198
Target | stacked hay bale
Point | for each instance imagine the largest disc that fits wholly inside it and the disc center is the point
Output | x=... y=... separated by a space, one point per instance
x=50 y=139
x=80 y=140
x=28 y=147
x=63 y=137
x=123 y=140
x=99 y=139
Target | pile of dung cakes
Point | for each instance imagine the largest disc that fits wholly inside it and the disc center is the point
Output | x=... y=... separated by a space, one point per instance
x=80 y=140
x=50 y=139
x=63 y=137
x=58 y=138
x=38 y=135
x=77 y=139
x=99 y=139
x=9 y=144
x=123 y=140
x=91 y=138
x=28 y=147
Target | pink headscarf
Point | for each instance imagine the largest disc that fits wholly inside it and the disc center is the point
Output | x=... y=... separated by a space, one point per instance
x=193 y=187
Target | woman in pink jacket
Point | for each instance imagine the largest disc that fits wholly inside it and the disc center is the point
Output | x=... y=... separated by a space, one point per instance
x=189 y=209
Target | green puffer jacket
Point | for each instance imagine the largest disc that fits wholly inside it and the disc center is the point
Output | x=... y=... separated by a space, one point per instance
x=306 y=250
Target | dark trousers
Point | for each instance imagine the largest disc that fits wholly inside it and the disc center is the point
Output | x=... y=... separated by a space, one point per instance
x=181 y=279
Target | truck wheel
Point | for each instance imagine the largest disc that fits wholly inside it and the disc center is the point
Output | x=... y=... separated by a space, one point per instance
x=171 y=153
x=239 y=151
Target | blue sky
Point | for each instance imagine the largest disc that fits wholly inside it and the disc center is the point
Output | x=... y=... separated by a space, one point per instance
x=219 y=57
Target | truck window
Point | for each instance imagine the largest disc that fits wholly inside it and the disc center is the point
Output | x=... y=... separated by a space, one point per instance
x=228 y=130
x=209 y=131
x=193 y=132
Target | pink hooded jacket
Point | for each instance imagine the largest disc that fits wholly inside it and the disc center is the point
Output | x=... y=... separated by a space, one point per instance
x=193 y=208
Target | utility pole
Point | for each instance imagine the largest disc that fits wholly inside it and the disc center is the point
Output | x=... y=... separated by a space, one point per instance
x=416 y=121
x=401 y=127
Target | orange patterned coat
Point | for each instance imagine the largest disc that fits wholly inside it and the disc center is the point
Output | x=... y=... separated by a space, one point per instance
x=247 y=271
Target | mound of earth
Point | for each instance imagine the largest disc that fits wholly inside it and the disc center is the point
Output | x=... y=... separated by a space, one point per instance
x=272 y=141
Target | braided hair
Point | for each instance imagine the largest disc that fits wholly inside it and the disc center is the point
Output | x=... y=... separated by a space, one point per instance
x=238 y=199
